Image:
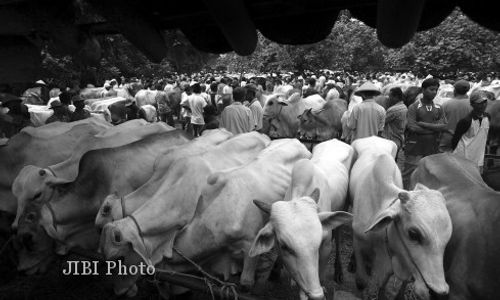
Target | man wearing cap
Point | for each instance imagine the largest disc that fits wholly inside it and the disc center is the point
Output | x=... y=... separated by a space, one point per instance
x=471 y=132
x=38 y=94
x=61 y=113
x=367 y=118
x=426 y=121
x=454 y=110
x=80 y=113
x=16 y=118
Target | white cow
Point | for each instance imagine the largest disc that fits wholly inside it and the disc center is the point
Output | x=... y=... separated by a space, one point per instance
x=32 y=182
x=225 y=221
x=115 y=207
x=301 y=225
x=395 y=231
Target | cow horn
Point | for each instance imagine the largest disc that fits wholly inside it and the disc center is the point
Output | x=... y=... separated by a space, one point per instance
x=265 y=207
x=42 y=172
x=404 y=196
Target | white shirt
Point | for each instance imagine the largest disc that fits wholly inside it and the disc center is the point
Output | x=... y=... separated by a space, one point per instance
x=473 y=143
x=197 y=103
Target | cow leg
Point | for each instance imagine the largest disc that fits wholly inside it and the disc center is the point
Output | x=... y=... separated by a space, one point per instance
x=324 y=253
x=339 y=275
x=247 y=278
x=265 y=266
x=362 y=276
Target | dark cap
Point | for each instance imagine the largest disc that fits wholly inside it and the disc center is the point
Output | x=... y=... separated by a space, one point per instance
x=55 y=103
x=461 y=87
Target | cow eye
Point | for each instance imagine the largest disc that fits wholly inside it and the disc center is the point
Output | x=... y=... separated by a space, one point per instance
x=38 y=195
x=285 y=248
x=30 y=217
x=106 y=210
x=415 y=235
x=270 y=103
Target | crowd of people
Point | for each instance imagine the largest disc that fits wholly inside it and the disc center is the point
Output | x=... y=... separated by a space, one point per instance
x=399 y=107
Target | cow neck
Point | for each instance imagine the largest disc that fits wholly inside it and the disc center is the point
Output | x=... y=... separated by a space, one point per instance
x=141 y=235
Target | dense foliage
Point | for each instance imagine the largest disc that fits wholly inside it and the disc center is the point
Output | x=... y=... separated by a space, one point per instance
x=458 y=44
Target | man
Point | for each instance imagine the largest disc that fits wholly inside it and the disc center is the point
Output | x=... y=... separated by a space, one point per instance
x=118 y=113
x=196 y=103
x=471 y=132
x=80 y=113
x=236 y=117
x=254 y=105
x=426 y=121
x=367 y=118
x=61 y=113
x=395 y=119
x=16 y=118
x=310 y=89
x=454 y=110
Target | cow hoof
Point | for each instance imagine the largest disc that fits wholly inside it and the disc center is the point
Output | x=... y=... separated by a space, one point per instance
x=360 y=284
x=339 y=278
x=132 y=292
x=351 y=267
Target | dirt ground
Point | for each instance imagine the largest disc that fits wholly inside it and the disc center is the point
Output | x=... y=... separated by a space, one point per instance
x=55 y=285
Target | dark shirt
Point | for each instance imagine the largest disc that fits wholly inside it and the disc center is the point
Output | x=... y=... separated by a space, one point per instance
x=423 y=143
x=62 y=114
x=132 y=112
x=79 y=114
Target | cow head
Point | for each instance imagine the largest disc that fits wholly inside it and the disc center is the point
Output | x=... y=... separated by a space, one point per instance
x=120 y=239
x=34 y=247
x=298 y=229
x=110 y=210
x=418 y=227
x=273 y=106
x=32 y=184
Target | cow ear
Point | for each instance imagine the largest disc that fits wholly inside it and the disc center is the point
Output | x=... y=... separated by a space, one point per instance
x=52 y=181
x=315 y=195
x=385 y=217
x=332 y=220
x=265 y=207
x=264 y=241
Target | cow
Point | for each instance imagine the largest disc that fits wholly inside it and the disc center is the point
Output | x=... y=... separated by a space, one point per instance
x=31 y=181
x=99 y=92
x=471 y=258
x=67 y=214
x=225 y=221
x=323 y=124
x=115 y=208
x=302 y=224
x=173 y=206
x=41 y=146
x=280 y=116
x=150 y=97
x=395 y=231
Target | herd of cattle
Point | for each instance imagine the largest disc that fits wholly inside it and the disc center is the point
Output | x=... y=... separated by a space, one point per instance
x=158 y=196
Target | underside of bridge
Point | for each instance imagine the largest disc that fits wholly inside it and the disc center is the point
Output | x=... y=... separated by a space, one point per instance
x=216 y=26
